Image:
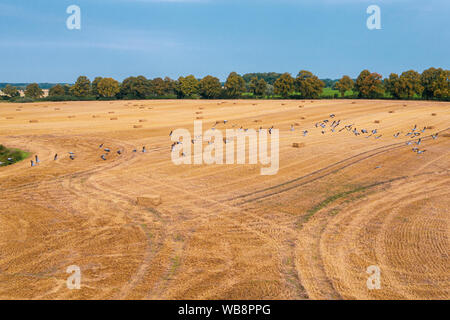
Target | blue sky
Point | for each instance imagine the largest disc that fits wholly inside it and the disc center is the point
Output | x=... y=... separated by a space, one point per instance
x=158 y=38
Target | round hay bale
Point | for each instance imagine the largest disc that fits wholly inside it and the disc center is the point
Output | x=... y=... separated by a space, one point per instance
x=111 y=112
x=142 y=120
x=34 y=121
x=430 y=127
x=56 y=109
x=446 y=135
x=71 y=117
x=149 y=200
x=137 y=126
x=257 y=121
x=377 y=121
x=434 y=114
x=199 y=118
x=392 y=111
x=114 y=118
x=298 y=145
x=199 y=112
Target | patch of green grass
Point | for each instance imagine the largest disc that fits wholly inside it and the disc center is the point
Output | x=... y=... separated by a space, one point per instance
x=10 y=156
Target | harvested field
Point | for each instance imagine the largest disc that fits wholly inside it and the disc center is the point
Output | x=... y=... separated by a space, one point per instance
x=141 y=227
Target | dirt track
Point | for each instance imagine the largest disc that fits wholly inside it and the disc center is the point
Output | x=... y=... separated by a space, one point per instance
x=225 y=231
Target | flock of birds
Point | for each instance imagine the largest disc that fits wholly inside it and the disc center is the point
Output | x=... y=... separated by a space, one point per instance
x=414 y=133
x=72 y=155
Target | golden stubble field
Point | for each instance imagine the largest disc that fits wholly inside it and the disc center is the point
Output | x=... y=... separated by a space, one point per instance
x=339 y=203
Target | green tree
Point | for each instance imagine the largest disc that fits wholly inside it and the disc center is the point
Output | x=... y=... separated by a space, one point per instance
x=436 y=83
x=344 y=84
x=94 y=87
x=369 y=85
x=405 y=86
x=261 y=88
x=253 y=85
x=188 y=86
x=170 y=85
x=210 y=87
x=57 y=90
x=108 y=87
x=284 y=85
x=10 y=91
x=235 y=85
x=33 y=91
x=135 y=87
x=82 y=87
x=309 y=85
x=158 y=87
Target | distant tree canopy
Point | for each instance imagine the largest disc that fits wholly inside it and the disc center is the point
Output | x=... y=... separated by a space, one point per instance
x=369 y=85
x=187 y=87
x=344 y=84
x=94 y=86
x=210 y=87
x=135 y=87
x=235 y=85
x=10 y=91
x=108 y=87
x=436 y=83
x=33 y=91
x=433 y=83
x=284 y=85
x=82 y=87
x=309 y=85
x=57 y=90
x=406 y=86
x=268 y=77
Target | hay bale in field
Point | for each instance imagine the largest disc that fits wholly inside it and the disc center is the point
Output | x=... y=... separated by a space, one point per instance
x=296 y=124
x=34 y=121
x=70 y=117
x=392 y=111
x=303 y=118
x=199 y=112
x=199 y=118
x=114 y=118
x=353 y=102
x=141 y=107
x=298 y=145
x=257 y=121
x=18 y=109
x=430 y=127
x=377 y=121
x=300 y=106
x=56 y=109
x=149 y=200
x=111 y=112
x=137 y=126
x=142 y=120
x=95 y=116
x=446 y=135
x=434 y=114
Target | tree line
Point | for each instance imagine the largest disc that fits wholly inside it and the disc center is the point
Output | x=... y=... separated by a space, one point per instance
x=432 y=83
